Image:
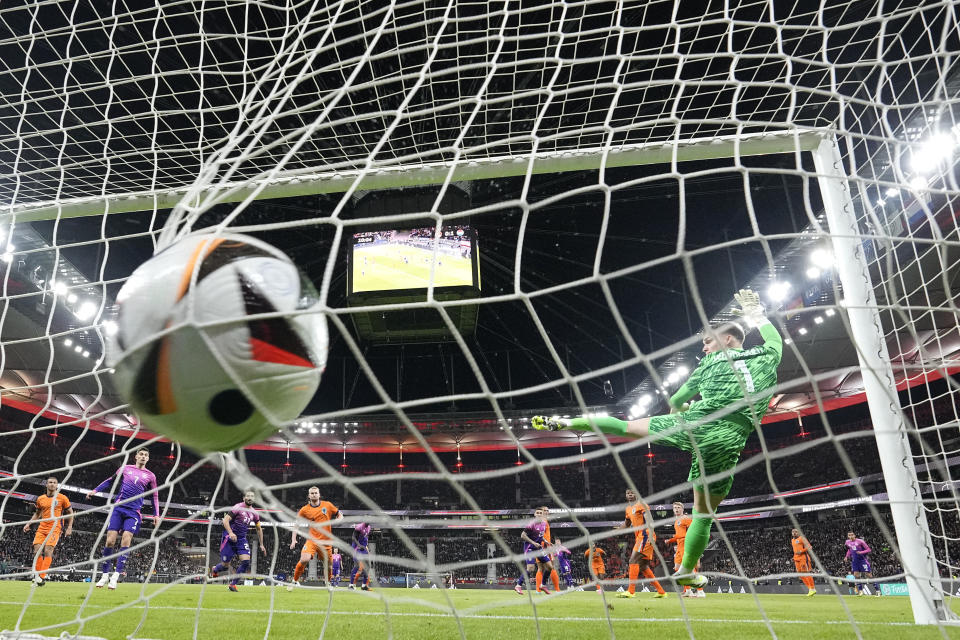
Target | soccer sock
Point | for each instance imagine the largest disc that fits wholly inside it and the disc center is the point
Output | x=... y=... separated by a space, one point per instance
x=648 y=573
x=876 y=586
x=244 y=566
x=38 y=565
x=698 y=536
x=107 y=555
x=221 y=566
x=568 y=578
x=809 y=582
x=122 y=559
x=610 y=425
x=539 y=579
x=353 y=574
x=45 y=564
x=555 y=579
x=634 y=574
x=298 y=571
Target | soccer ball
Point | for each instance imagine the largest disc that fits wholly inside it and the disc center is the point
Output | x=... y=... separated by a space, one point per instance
x=191 y=354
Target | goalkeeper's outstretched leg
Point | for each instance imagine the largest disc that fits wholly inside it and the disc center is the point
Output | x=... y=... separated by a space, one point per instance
x=735 y=387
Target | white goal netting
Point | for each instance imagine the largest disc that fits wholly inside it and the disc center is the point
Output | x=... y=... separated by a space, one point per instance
x=508 y=209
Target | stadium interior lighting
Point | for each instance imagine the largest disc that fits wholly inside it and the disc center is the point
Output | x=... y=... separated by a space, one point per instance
x=78 y=349
x=813 y=273
x=110 y=328
x=821 y=258
x=892 y=192
x=58 y=287
x=787 y=341
x=682 y=371
x=67 y=342
x=86 y=310
x=646 y=399
x=673 y=378
x=85 y=354
x=918 y=183
x=935 y=150
x=881 y=202
x=777 y=291
x=802 y=331
x=829 y=313
x=818 y=320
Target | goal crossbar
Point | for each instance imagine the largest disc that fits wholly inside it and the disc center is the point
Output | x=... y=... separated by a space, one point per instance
x=405 y=175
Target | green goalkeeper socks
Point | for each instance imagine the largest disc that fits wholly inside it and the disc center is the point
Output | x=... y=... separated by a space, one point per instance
x=698 y=535
x=612 y=426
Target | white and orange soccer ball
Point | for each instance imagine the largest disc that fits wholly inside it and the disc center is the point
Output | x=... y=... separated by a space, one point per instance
x=215 y=343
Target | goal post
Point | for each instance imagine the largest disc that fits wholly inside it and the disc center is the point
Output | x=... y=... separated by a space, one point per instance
x=890 y=430
x=397 y=175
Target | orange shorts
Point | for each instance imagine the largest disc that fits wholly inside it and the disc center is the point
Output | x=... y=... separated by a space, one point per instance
x=643 y=547
x=598 y=569
x=47 y=537
x=802 y=564
x=678 y=556
x=319 y=551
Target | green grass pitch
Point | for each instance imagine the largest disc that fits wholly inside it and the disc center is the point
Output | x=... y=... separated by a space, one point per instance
x=174 y=611
x=381 y=268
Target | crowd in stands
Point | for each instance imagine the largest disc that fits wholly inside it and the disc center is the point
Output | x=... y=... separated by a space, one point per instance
x=782 y=464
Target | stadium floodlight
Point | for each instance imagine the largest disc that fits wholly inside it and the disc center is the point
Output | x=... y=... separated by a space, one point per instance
x=681 y=370
x=85 y=353
x=86 y=310
x=78 y=349
x=646 y=398
x=67 y=342
x=802 y=331
x=818 y=320
x=110 y=328
x=58 y=287
x=919 y=183
x=673 y=378
x=822 y=258
x=71 y=298
x=777 y=291
x=935 y=150
x=892 y=192
x=813 y=273
x=829 y=312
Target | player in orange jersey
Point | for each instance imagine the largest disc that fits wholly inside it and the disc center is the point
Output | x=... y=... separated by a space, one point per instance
x=554 y=576
x=680 y=525
x=635 y=518
x=802 y=560
x=597 y=569
x=315 y=512
x=50 y=509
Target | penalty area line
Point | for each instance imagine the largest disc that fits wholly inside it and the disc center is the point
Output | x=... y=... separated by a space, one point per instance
x=413 y=614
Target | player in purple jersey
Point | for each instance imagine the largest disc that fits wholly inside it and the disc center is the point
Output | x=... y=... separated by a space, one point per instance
x=135 y=481
x=336 y=565
x=563 y=563
x=361 y=537
x=857 y=552
x=533 y=541
x=233 y=542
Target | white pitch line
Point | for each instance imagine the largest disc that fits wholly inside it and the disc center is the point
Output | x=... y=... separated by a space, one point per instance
x=411 y=614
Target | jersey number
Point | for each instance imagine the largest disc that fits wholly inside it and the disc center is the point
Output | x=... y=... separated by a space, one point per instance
x=741 y=366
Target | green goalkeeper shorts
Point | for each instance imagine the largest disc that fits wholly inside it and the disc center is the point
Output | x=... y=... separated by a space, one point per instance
x=716 y=447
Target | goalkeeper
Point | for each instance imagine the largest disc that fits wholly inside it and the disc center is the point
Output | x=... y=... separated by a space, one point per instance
x=734 y=385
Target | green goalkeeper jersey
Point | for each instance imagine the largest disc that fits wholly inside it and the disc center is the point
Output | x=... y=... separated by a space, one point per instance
x=725 y=378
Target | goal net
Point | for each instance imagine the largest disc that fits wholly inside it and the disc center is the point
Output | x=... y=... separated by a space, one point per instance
x=508 y=210
x=429 y=581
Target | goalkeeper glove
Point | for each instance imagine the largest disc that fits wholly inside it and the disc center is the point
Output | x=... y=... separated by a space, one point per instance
x=543 y=423
x=750 y=307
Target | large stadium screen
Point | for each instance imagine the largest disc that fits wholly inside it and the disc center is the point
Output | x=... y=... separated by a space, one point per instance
x=394 y=260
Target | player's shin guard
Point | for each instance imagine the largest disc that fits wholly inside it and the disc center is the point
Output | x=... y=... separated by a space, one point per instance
x=122 y=559
x=107 y=555
x=648 y=573
x=241 y=570
x=698 y=535
x=555 y=578
x=634 y=574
